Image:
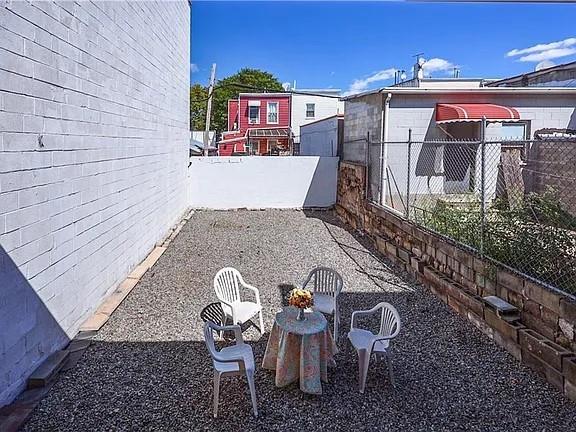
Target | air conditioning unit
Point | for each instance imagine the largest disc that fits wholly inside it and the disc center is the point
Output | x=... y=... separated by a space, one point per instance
x=252 y=121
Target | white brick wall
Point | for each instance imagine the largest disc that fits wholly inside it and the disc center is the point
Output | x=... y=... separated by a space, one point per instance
x=94 y=116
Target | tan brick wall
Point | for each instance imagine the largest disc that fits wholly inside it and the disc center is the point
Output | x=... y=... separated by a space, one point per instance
x=543 y=338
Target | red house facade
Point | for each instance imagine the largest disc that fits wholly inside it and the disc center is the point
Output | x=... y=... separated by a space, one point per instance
x=258 y=124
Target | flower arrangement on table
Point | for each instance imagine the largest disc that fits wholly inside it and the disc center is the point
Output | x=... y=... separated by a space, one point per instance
x=302 y=299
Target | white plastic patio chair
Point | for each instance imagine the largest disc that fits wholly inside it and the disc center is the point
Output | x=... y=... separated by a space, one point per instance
x=233 y=360
x=227 y=284
x=326 y=284
x=367 y=343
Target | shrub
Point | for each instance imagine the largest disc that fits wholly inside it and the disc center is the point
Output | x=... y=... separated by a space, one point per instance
x=538 y=238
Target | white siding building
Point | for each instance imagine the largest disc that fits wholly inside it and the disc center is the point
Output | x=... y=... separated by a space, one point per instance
x=322 y=137
x=310 y=105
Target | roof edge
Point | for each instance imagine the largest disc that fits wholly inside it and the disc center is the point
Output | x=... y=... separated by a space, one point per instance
x=323 y=119
x=479 y=90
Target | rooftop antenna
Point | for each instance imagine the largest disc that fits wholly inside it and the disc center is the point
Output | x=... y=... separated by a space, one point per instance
x=418 y=72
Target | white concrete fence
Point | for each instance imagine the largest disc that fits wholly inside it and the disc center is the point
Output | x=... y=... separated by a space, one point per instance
x=263 y=182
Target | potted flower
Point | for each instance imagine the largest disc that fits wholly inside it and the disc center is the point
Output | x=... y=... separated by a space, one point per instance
x=302 y=299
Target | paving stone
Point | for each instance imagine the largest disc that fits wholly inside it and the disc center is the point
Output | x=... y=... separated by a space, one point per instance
x=48 y=370
x=500 y=305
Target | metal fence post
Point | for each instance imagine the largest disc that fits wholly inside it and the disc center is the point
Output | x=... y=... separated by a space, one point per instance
x=408 y=174
x=367 y=160
x=381 y=174
x=482 y=185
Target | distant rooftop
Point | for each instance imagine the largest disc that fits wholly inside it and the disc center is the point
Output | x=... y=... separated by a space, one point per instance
x=563 y=75
x=444 y=82
x=328 y=91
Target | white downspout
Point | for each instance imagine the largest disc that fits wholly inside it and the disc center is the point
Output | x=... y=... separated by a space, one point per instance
x=384 y=144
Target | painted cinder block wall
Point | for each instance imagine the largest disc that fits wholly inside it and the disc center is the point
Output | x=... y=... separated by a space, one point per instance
x=416 y=112
x=94 y=119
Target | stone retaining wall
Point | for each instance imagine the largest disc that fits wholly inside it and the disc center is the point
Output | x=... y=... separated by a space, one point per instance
x=544 y=335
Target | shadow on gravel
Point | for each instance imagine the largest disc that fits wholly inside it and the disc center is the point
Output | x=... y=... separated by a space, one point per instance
x=386 y=274
x=449 y=376
x=168 y=386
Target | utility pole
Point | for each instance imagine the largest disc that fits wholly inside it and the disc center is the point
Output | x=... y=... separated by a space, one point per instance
x=209 y=108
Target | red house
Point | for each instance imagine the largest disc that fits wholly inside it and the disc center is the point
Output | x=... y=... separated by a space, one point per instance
x=258 y=124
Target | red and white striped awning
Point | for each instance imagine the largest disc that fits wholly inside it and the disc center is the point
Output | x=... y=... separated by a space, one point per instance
x=473 y=112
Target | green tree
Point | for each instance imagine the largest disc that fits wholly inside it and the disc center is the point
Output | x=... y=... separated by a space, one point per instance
x=198 y=99
x=225 y=90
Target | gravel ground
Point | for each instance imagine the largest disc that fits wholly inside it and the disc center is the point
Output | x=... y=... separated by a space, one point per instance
x=148 y=368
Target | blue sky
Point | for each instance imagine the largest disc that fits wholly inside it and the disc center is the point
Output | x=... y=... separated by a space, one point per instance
x=355 y=46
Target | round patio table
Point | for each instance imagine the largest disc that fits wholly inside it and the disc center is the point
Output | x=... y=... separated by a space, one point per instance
x=300 y=350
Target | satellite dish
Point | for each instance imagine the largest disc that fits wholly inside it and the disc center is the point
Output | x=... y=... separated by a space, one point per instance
x=544 y=65
x=403 y=76
x=286 y=86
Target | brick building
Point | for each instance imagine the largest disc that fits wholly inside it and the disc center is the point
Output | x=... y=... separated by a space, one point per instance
x=94 y=119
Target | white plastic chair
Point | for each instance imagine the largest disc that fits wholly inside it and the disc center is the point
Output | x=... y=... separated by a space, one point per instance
x=367 y=343
x=227 y=283
x=233 y=360
x=326 y=284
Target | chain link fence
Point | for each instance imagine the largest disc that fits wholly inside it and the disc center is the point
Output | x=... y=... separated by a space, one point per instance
x=511 y=201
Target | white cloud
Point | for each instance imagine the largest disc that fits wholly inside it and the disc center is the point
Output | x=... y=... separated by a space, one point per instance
x=566 y=43
x=548 y=55
x=437 y=65
x=194 y=67
x=360 y=85
x=545 y=51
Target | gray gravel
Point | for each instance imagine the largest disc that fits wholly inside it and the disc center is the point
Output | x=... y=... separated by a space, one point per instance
x=149 y=370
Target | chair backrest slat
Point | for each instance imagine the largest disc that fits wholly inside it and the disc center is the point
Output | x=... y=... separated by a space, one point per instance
x=326 y=281
x=226 y=285
x=389 y=319
x=209 y=338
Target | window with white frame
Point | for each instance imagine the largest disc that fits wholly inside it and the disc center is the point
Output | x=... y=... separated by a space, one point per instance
x=310 y=110
x=253 y=114
x=272 y=112
x=513 y=131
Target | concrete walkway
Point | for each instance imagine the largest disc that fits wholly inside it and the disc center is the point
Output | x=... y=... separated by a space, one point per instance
x=148 y=368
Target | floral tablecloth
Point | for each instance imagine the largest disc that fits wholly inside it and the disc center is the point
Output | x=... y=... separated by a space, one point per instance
x=300 y=350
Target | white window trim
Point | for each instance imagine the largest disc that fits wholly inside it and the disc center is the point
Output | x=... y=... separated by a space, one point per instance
x=268 y=113
x=306 y=108
x=257 y=119
x=518 y=123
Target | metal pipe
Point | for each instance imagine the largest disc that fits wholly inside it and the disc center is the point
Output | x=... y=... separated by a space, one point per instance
x=482 y=184
x=384 y=145
x=367 y=170
x=381 y=158
x=409 y=172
